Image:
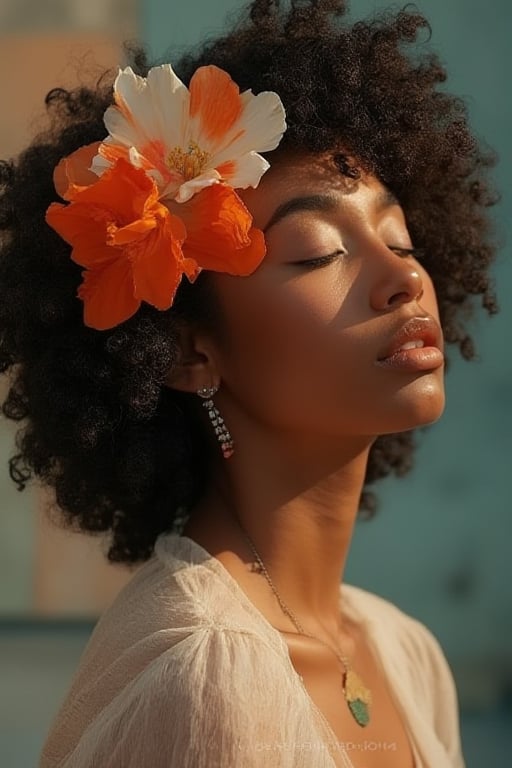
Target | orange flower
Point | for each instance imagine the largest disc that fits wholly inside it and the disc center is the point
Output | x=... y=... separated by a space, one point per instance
x=134 y=249
x=128 y=241
x=220 y=235
x=73 y=172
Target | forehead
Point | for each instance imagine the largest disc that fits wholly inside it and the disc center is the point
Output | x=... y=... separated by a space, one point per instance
x=300 y=175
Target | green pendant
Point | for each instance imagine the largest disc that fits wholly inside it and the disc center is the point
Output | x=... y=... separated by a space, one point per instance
x=358 y=697
x=360 y=711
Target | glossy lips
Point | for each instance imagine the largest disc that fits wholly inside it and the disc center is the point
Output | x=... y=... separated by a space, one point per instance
x=416 y=346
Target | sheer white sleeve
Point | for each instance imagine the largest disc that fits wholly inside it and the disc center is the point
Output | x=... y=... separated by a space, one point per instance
x=217 y=698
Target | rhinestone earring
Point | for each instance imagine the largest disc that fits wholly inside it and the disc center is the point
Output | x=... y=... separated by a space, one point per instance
x=222 y=432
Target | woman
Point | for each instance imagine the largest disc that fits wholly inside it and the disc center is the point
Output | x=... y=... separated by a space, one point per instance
x=304 y=310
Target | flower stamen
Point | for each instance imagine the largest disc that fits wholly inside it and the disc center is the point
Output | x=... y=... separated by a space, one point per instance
x=190 y=163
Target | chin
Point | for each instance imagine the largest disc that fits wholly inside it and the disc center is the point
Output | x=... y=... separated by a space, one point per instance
x=418 y=404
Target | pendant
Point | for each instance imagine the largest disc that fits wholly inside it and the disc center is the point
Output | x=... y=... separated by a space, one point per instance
x=358 y=697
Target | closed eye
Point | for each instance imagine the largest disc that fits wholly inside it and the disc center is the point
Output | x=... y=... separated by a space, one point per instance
x=320 y=261
x=418 y=253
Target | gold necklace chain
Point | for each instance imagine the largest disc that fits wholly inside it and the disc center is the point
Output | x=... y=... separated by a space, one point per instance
x=285 y=608
x=357 y=695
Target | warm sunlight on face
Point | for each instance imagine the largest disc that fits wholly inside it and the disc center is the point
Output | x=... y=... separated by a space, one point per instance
x=337 y=331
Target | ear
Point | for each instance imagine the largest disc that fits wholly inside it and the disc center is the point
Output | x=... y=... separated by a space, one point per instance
x=196 y=366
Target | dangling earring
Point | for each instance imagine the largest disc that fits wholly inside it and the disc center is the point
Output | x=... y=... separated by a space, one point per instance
x=222 y=432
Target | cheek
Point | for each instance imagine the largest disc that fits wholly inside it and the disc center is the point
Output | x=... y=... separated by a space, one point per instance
x=287 y=356
x=273 y=325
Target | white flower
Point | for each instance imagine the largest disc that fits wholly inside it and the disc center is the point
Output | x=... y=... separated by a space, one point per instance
x=189 y=139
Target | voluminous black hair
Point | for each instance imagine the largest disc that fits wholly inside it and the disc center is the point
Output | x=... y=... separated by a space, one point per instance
x=123 y=452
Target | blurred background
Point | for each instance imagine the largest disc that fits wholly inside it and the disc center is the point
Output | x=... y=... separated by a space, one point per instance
x=440 y=547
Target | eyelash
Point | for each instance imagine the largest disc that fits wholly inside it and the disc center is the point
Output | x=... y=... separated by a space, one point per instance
x=418 y=253
x=322 y=261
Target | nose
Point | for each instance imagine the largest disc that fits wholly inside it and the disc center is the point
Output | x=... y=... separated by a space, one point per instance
x=397 y=281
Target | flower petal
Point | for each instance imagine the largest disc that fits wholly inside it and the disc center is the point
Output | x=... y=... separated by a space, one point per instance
x=220 y=234
x=260 y=128
x=190 y=188
x=171 y=105
x=244 y=172
x=157 y=268
x=215 y=104
x=109 y=153
x=127 y=192
x=100 y=165
x=73 y=172
x=132 y=232
x=85 y=230
x=127 y=119
x=108 y=295
x=150 y=113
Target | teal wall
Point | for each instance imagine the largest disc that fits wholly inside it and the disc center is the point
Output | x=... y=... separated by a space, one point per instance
x=440 y=545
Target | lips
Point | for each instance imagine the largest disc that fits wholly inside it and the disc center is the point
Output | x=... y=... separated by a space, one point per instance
x=420 y=328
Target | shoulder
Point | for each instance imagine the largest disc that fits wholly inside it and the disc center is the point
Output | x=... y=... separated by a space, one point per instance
x=178 y=592
x=204 y=702
x=180 y=608
x=175 y=658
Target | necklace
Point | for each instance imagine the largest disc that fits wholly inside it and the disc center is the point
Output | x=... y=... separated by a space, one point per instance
x=356 y=694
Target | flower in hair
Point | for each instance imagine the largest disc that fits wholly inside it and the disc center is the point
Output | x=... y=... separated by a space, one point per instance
x=187 y=139
x=156 y=199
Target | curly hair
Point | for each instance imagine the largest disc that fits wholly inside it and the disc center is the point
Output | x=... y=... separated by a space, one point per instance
x=127 y=454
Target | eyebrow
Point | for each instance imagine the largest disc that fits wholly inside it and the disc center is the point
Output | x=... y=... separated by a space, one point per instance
x=326 y=203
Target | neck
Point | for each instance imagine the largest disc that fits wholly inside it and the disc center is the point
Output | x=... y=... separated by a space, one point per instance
x=298 y=502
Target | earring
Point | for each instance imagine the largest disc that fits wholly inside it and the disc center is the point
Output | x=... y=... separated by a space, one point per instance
x=222 y=432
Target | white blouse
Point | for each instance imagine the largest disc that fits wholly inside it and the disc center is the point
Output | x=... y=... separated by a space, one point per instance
x=183 y=671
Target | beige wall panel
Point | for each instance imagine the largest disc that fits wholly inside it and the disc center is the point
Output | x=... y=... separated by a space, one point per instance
x=68 y=571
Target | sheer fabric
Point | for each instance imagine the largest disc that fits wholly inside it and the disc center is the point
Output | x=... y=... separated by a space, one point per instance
x=183 y=671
